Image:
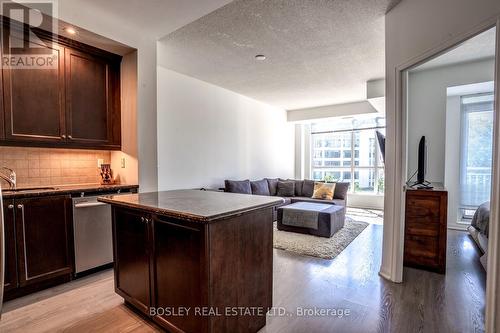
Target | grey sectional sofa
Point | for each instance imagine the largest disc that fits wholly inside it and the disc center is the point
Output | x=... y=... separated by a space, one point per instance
x=301 y=191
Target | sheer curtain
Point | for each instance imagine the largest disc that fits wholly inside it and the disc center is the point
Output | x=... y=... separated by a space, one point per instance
x=476 y=150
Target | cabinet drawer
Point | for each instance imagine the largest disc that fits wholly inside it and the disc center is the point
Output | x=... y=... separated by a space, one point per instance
x=421 y=247
x=428 y=207
x=422 y=226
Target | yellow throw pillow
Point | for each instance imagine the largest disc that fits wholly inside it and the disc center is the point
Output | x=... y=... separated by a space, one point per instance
x=324 y=191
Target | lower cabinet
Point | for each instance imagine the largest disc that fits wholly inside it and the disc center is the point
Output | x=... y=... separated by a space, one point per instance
x=39 y=243
x=10 y=276
x=160 y=264
x=132 y=257
x=165 y=264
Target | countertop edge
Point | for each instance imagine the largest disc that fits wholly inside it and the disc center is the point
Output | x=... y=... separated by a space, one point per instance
x=187 y=216
x=68 y=189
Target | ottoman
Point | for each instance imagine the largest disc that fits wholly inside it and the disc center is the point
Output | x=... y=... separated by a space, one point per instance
x=322 y=220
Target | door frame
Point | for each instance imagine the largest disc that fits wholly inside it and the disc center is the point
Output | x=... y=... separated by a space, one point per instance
x=396 y=208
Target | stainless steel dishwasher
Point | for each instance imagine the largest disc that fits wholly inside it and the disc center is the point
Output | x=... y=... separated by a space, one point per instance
x=92 y=231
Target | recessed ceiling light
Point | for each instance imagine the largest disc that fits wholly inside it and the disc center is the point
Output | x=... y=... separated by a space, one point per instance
x=70 y=30
x=260 y=57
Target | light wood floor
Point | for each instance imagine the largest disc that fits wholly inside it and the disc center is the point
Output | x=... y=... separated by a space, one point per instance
x=425 y=302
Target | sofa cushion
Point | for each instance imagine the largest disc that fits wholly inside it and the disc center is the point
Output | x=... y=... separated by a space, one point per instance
x=307 y=188
x=238 y=186
x=341 y=191
x=260 y=187
x=273 y=185
x=298 y=187
x=328 y=202
x=323 y=191
x=286 y=188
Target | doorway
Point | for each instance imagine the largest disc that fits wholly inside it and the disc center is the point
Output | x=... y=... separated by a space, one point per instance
x=449 y=100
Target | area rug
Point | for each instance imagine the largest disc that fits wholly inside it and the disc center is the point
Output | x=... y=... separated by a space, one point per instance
x=326 y=248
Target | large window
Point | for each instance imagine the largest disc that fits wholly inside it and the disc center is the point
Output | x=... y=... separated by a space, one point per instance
x=347 y=150
x=476 y=151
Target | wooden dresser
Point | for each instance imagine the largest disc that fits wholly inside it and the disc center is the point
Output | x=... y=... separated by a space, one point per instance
x=425 y=228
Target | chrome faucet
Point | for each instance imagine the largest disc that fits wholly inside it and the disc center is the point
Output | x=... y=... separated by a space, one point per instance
x=11 y=178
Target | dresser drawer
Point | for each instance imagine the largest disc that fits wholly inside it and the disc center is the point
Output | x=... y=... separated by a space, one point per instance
x=423 y=207
x=422 y=226
x=421 y=246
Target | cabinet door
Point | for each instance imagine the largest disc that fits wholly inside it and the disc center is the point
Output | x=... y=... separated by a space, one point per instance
x=44 y=238
x=10 y=277
x=33 y=99
x=2 y=110
x=90 y=98
x=180 y=273
x=131 y=237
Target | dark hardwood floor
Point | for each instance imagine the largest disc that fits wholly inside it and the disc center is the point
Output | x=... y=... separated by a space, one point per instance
x=425 y=302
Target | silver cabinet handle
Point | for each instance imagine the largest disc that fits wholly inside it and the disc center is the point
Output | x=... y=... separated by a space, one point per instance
x=70 y=137
x=21 y=207
x=89 y=204
x=11 y=206
x=63 y=136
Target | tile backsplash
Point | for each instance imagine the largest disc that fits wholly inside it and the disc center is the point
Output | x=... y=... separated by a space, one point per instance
x=46 y=166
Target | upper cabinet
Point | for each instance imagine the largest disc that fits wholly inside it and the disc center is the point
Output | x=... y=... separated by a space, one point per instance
x=33 y=100
x=75 y=103
x=92 y=91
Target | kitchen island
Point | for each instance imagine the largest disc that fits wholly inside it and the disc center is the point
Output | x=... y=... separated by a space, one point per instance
x=195 y=261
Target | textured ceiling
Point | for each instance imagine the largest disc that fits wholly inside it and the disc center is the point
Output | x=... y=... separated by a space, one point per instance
x=477 y=48
x=319 y=52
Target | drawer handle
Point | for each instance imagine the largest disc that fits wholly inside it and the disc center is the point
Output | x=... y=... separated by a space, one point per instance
x=90 y=204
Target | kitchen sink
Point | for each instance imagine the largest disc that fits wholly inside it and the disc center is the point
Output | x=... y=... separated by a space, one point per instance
x=25 y=189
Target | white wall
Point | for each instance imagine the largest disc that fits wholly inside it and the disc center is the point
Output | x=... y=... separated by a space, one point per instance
x=427 y=96
x=367 y=201
x=452 y=159
x=330 y=111
x=413 y=29
x=207 y=134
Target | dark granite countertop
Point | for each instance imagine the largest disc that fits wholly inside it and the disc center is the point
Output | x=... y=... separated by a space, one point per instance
x=193 y=205
x=95 y=189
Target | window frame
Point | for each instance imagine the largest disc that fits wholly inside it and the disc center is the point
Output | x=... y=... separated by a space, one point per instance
x=464 y=123
x=353 y=167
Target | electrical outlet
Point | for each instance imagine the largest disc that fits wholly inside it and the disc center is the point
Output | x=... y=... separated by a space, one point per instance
x=123 y=162
x=100 y=161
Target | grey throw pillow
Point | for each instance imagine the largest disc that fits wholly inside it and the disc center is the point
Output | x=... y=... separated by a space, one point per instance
x=341 y=191
x=273 y=185
x=260 y=187
x=299 y=188
x=308 y=188
x=286 y=188
x=238 y=186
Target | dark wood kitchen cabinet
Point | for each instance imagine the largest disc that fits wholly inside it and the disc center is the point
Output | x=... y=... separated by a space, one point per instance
x=39 y=243
x=75 y=103
x=91 y=85
x=10 y=276
x=172 y=256
x=132 y=257
x=44 y=247
x=34 y=106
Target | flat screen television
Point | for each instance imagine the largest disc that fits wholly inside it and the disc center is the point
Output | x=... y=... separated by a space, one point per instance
x=381 y=144
x=422 y=162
